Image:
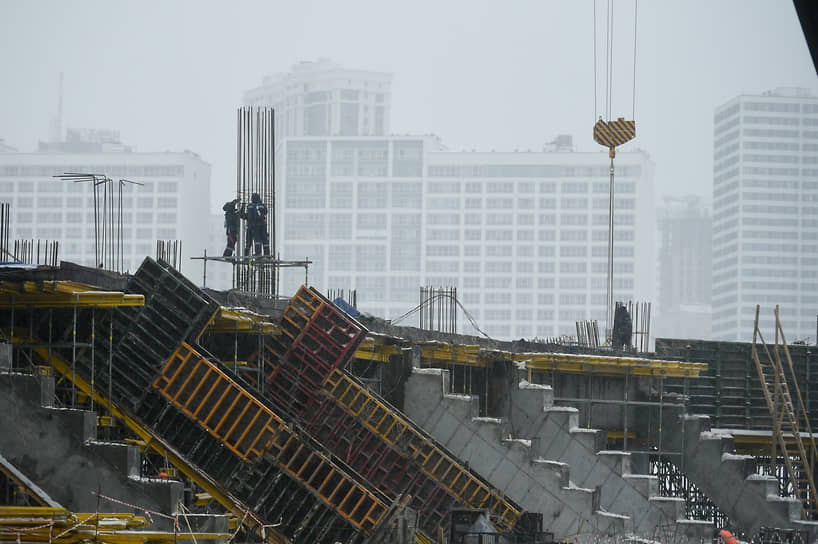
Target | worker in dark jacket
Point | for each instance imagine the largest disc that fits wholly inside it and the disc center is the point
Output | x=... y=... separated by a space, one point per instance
x=255 y=213
x=622 y=328
x=232 y=224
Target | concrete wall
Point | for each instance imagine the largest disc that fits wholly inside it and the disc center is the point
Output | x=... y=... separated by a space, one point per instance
x=55 y=448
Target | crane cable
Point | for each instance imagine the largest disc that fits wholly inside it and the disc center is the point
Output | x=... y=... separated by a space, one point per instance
x=612 y=133
x=609 y=64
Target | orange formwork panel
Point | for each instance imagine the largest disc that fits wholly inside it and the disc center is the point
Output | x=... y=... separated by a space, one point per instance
x=250 y=430
x=393 y=428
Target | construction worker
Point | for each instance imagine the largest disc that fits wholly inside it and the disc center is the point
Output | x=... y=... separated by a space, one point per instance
x=726 y=537
x=232 y=224
x=255 y=214
x=621 y=337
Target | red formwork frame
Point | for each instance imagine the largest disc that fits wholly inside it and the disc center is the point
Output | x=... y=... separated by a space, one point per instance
x=328 y=342
x=376 y=461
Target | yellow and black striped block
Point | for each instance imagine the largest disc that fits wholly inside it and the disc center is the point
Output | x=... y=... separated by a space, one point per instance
x=614 y=133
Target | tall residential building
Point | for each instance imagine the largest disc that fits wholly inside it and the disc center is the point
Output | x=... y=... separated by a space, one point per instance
x=167 y=206
x=683 y=304
x=523 y=236
x=765 y=214
x=323 y=99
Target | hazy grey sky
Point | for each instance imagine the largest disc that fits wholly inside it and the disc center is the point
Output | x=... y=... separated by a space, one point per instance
x=481 y=75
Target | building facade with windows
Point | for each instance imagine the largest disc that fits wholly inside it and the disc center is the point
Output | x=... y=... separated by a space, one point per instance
x=683 y=298
x=167 y=206
x=522 y=236
x=321 y=98
x=765 y=214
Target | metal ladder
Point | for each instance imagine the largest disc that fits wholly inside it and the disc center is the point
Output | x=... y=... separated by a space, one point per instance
x=799 y=457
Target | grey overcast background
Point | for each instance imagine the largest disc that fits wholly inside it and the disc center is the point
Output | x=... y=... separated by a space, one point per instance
x=480 y=74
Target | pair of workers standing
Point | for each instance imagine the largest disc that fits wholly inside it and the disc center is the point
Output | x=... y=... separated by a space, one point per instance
x=256 y=236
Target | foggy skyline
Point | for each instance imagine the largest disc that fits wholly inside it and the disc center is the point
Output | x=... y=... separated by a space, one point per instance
x=479 y=75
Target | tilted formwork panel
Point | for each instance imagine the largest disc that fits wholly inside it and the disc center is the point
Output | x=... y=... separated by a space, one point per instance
x=297 y=315
x=142 y=338
x=322 y=349
x=407 y=438
x=327 y=341
x=273 y=493
x=251 y=430
x=381 y=465
x=134 y=342
x=729 y=391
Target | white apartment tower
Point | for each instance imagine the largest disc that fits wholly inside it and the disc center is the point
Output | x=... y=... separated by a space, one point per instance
x=523 y=236
x=323 y=99
x=174 y=188
x=765 y=214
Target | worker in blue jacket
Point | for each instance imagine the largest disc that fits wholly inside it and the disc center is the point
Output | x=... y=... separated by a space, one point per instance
x=255 y=213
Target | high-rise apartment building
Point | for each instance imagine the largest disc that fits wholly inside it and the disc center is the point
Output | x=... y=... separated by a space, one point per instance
x=323 y=99
x=523 y=236
x=684 y=289
x=765 y=214
x=174 y=188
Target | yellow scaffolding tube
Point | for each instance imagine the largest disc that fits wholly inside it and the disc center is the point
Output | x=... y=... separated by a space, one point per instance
x=59 y=526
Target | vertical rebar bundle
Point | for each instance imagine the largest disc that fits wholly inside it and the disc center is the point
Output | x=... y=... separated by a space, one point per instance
x=108 y=232
x=588 y=333
x=255 y=173
x=36 y=252
x=5 y=214
x=438 y=309
x=170 y=251
x=349 y=295
x=640 y=318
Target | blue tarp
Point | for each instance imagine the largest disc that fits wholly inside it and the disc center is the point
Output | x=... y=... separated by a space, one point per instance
x=345 y=306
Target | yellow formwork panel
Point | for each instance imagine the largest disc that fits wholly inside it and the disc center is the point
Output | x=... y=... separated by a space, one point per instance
x=420 y=538
x=148 y=440
x=62 y=294
x=371 y=350
x=608 y=365
x=397 y=431
x=298 y=313
x=235 y=320
x=250 y=429
x=434 y=353
x=450 y=353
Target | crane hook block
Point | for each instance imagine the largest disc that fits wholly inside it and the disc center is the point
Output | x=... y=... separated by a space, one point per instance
x=614 y=133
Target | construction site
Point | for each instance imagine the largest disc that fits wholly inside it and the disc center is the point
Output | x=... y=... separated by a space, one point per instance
x=144 y=401
x=143 y=408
